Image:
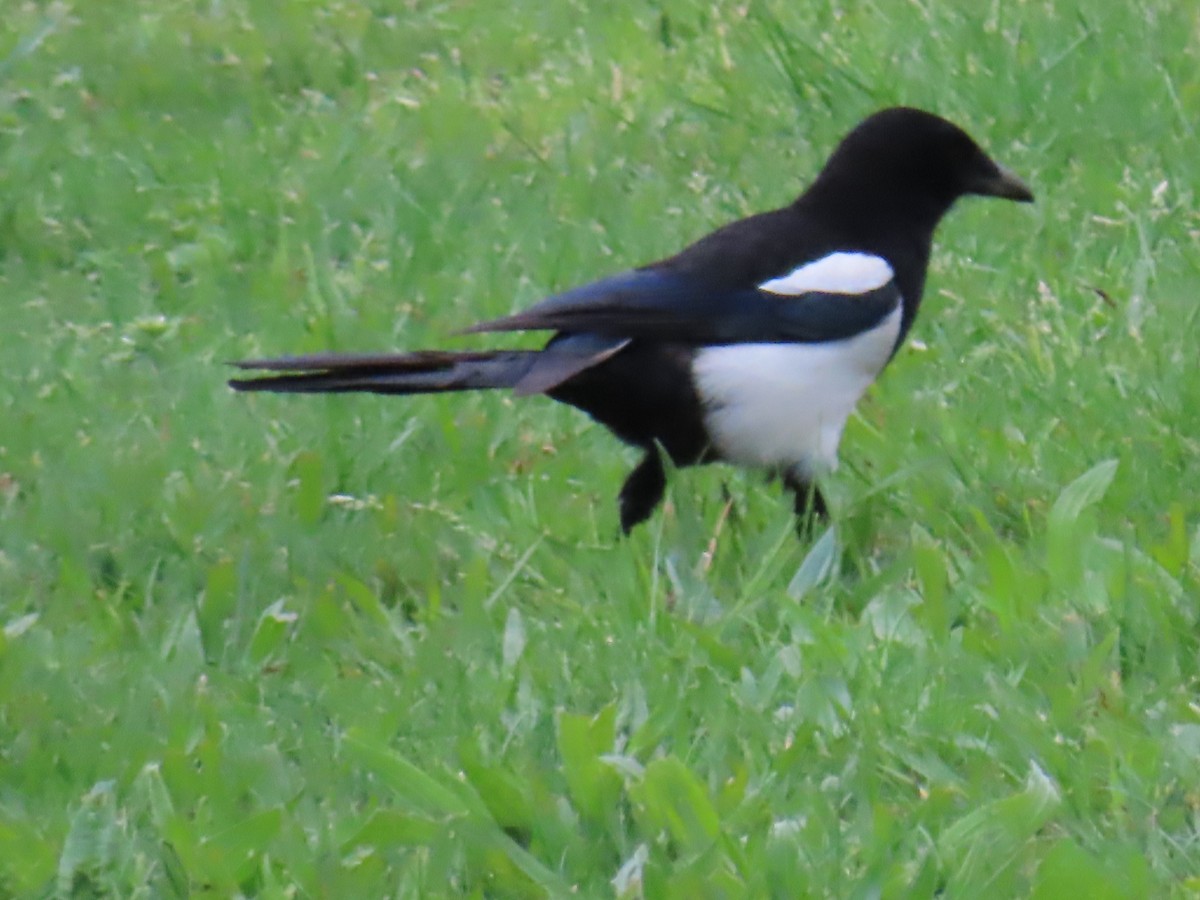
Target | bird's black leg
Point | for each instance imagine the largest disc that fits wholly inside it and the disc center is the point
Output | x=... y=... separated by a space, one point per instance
x=642 y=491
x=809 y=503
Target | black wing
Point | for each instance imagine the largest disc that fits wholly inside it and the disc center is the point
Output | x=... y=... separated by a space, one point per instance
x=662 y=305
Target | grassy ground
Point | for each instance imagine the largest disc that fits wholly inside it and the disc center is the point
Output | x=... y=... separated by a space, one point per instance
x=351 y=648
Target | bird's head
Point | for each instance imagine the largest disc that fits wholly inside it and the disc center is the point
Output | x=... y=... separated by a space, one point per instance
x=902 y=154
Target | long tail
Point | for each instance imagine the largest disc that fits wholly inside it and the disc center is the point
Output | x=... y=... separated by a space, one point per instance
x=423 y=372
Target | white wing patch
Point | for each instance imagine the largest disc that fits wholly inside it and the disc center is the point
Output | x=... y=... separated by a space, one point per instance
x=837 y=273
x=783 y=406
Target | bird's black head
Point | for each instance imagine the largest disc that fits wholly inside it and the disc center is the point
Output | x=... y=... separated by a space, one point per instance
x=891 y=180
x=914 y=159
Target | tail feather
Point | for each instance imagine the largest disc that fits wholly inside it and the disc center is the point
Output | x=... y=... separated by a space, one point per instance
x=423 y=372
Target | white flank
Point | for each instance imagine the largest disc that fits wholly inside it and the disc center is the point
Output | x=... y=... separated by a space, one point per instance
x=783 y=406
x=837 y=273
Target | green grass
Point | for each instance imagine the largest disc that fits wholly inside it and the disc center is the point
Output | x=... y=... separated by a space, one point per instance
x=349 y=647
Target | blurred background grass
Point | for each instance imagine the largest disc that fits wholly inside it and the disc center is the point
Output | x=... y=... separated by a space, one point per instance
x=354 y=647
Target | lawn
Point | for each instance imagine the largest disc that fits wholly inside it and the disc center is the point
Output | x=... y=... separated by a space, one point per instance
x=360 y=647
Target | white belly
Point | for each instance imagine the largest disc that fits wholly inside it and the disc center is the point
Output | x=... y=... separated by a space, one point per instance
x=784 y=406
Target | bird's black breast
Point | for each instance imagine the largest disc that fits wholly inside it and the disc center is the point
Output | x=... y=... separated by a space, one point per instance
x=644 y=394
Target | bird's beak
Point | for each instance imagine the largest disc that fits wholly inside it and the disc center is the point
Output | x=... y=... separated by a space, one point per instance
x=1003 y=182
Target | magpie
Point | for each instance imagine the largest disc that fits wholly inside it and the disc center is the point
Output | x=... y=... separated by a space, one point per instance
x=751 y=346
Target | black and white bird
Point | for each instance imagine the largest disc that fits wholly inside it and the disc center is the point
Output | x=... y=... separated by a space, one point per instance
x=751 y=346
